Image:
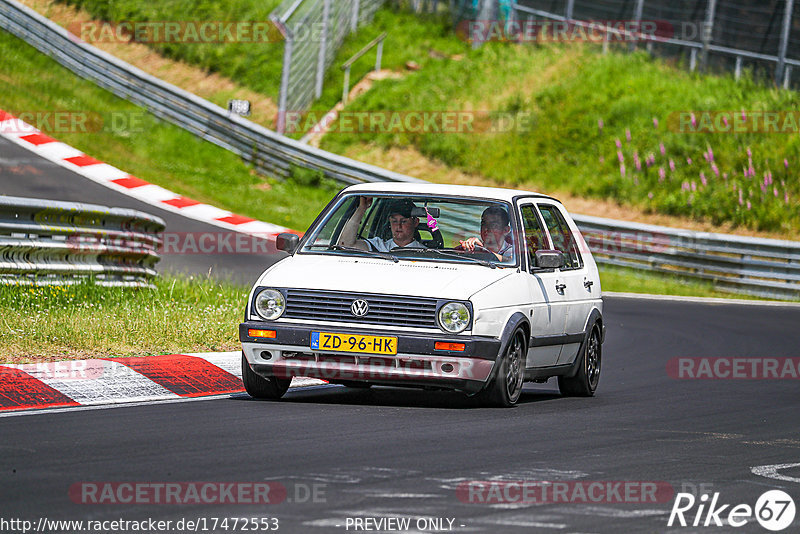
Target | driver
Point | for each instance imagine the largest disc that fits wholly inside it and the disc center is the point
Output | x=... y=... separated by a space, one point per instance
x=495 y=228
x=402 y=224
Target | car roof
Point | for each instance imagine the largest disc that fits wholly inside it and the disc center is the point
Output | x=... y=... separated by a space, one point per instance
x=470 y=191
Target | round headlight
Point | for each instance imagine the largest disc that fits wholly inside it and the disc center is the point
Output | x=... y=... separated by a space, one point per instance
x=270 y=304
x=453 y=317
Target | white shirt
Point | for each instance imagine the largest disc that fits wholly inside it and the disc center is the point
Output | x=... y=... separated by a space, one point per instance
x=387 y=245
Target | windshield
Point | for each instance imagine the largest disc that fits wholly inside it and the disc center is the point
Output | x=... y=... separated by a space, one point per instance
x=422 y=228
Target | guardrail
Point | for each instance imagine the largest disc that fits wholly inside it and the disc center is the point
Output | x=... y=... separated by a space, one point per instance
x=758 y=266
x=762 y=267
x=45 y=242
x=269 y=152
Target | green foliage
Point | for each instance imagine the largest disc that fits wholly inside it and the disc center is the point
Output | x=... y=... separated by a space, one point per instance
x=554 y=97
x=181 y=314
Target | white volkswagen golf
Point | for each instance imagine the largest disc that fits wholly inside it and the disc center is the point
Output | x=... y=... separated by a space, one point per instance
x=438 y=286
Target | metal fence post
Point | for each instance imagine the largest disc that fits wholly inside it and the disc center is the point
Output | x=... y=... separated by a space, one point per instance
x=708 y=27
x=323 y=47
x=738 y=70
x=569 y=10
x=693 y=59
x=787 y=21
x=379 y=56
x=637 y=17
x=354 y=20
x=284 y=91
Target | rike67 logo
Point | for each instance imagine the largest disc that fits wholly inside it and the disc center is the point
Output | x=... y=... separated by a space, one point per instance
x=774 y=510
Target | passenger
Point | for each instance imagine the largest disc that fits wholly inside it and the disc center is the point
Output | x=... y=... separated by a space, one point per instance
x=401 y=222
x=495 y=234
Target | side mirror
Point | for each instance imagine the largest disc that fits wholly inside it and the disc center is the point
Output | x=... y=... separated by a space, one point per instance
x=287 y=242
x=549 y=259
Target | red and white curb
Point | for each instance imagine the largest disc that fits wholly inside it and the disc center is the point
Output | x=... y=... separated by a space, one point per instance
x=106 y=381
x=73 y=159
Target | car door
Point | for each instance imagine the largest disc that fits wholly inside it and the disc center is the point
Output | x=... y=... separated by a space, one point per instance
x=573 y=278
x=548 y=310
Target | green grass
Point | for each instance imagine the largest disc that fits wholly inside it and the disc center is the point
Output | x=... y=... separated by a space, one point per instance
x=557 y=95
x=149 y=148
x=182 y=314
x=257 y=65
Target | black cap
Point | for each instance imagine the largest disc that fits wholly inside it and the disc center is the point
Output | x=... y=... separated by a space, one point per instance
x=403 y=207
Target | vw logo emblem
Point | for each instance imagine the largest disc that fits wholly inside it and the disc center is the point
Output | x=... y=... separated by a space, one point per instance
x=359 y=307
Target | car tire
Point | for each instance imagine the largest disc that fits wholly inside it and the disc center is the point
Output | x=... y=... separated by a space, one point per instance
x=259 y=387
x=585 y=381
x=506 y=386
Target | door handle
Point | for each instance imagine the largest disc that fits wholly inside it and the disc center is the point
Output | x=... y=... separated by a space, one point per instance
x=561 y=287
x=588 y=284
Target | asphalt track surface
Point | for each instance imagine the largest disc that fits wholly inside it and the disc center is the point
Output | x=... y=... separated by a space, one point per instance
x=391 y=452
x=403 y=453
x=24 y=174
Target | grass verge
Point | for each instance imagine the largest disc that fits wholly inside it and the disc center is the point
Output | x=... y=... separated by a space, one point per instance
x=183 y=314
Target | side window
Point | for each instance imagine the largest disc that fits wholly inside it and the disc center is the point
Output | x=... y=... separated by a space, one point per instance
x=562 y=236
x=534 y=234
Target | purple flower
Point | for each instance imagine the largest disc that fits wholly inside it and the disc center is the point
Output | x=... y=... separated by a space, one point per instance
x=744 y=118
x=662 y=149
x=622 y=169
x=694 y=120
x=650 y=195
x=785 y=198
x=661 y=174
x=785 y=163
x=725 y=176
x=741 y=200
x=725 y=121
x=602 y=159
x=749 y=152
x=628 y=135
x=671 y=165
x=637 y=163
x=689 y=161
x=655 y=122
x=694 y=186
x=715 y=169
x=620 y=157
x=600 y=124
x=685 y=186
x=703 y=179
x=710 y=154
x=618 y=143
x=749 y=205
x=775 y=191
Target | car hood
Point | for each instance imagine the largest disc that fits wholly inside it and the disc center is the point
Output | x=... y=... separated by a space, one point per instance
x=374 y=275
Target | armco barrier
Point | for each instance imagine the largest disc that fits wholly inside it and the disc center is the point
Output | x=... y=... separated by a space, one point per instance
x=761 y=267
x=45 y=242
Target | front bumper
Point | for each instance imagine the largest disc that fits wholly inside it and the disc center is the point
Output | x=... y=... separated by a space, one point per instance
x=417 y=362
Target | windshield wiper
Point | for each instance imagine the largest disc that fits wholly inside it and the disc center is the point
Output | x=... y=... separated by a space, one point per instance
x=438 y=252
x=384 y=255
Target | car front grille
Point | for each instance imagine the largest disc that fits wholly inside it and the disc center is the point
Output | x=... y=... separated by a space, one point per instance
x=383 y=309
